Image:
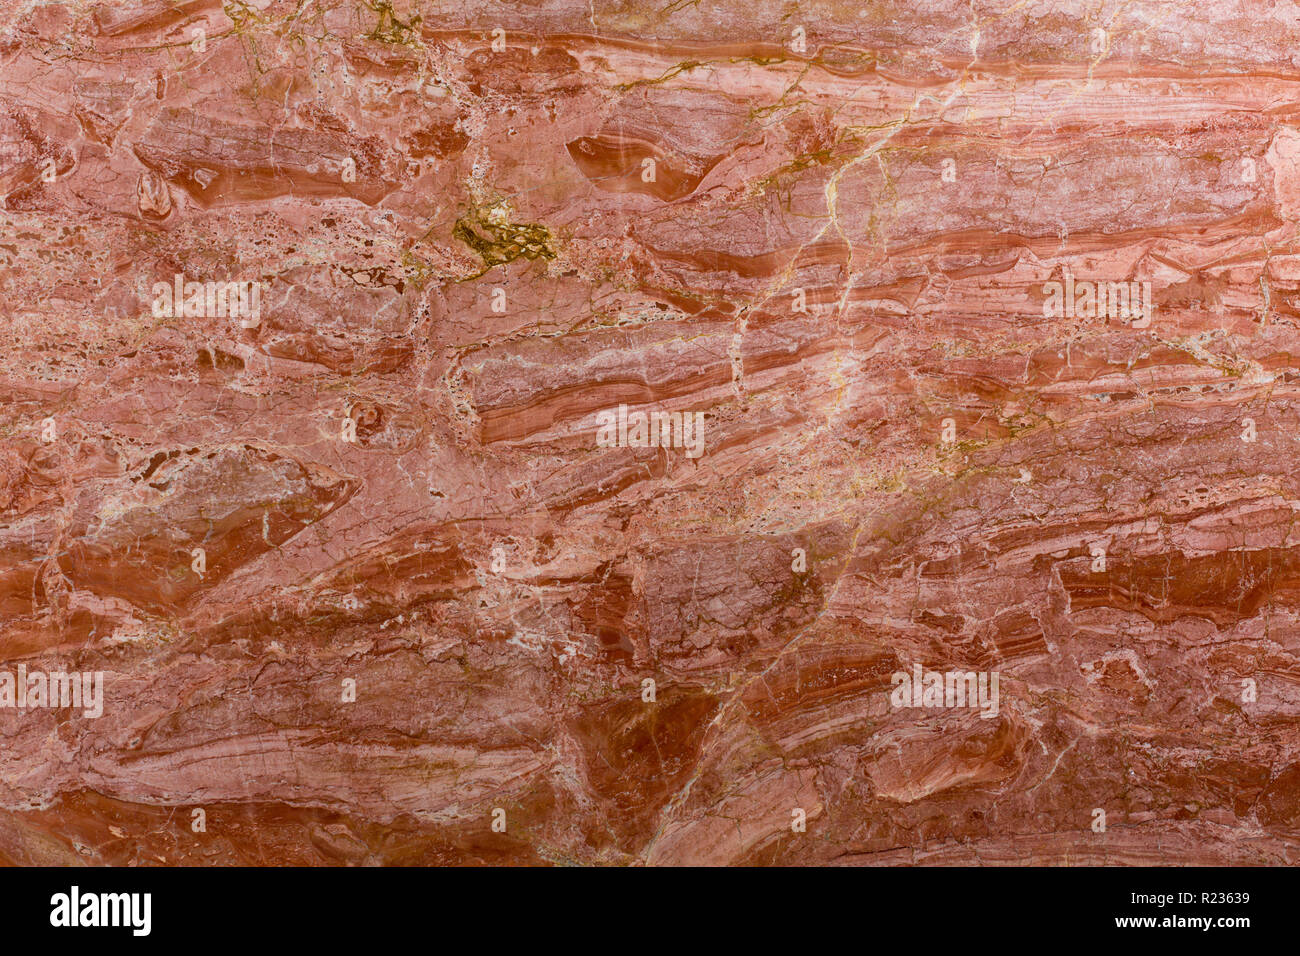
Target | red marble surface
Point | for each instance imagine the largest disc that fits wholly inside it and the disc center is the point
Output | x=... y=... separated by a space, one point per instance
x=978 y=482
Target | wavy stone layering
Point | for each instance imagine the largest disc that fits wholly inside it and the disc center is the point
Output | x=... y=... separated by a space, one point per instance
x=353 y=353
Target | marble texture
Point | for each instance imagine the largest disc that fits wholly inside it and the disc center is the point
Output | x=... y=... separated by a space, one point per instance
x=469 y=245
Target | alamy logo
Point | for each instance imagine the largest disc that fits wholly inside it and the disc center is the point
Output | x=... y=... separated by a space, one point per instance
x=102 y=909
x=193 y=300
x=83 y=689
x=1093 y=300
x=624 y=429
x=951 y=689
